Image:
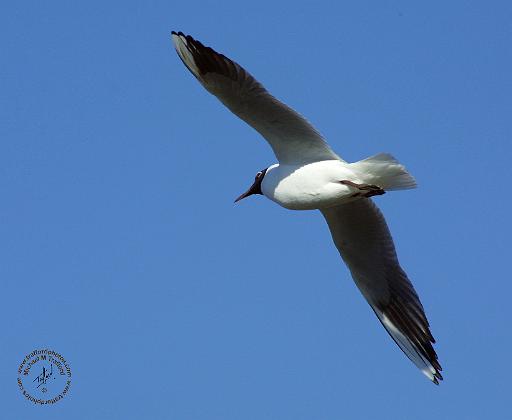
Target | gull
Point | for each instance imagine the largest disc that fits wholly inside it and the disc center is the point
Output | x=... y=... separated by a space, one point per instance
x=310 y=176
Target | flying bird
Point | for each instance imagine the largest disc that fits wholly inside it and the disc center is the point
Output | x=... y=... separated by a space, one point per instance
x=309 y=176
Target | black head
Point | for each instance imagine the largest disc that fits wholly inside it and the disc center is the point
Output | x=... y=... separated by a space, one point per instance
x=256 y=186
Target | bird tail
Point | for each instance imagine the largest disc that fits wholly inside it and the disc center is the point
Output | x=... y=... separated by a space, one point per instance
x=384 y=171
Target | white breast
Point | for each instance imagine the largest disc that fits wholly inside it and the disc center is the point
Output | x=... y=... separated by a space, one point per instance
x=313 y=186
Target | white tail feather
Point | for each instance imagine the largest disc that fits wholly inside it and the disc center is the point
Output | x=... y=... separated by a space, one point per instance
x=384 y=171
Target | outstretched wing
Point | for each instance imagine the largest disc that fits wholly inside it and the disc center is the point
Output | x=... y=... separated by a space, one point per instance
x=363 y=240
x=292 y=138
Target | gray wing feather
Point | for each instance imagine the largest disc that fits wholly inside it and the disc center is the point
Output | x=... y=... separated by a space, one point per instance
x=362 y=237
x=292 y=138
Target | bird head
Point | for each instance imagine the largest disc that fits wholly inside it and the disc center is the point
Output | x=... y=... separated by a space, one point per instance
x=255 y=188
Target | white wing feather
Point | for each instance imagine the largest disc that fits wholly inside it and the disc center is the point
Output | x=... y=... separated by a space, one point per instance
x=293 y=139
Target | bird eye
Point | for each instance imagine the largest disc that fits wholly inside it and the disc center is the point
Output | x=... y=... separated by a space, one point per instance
x=259 y=174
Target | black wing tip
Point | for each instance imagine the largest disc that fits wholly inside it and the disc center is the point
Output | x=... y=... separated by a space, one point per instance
x=188 y=38
x=178 y=34
x=434 y=361
x=420 y=340
x=207 y=60
x=189 y=41
x=437 y=377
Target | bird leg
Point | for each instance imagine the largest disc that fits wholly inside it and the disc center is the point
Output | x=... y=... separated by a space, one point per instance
x=367 y=190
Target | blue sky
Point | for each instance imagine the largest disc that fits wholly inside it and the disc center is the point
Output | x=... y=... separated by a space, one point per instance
x=123 y=251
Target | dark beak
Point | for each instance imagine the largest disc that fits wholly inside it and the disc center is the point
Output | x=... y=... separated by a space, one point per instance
x=255 y=189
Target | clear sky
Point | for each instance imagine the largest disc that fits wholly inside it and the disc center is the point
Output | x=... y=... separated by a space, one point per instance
x=122 y=249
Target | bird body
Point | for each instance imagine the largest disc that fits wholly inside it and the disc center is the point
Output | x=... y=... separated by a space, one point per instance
x=318 y=185
x=308 y=187
x=309 y=175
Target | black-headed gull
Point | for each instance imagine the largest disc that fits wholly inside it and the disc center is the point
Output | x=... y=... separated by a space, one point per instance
x=310 y=176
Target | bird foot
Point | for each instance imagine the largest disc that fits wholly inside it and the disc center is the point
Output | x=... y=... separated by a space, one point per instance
x=367 y=190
